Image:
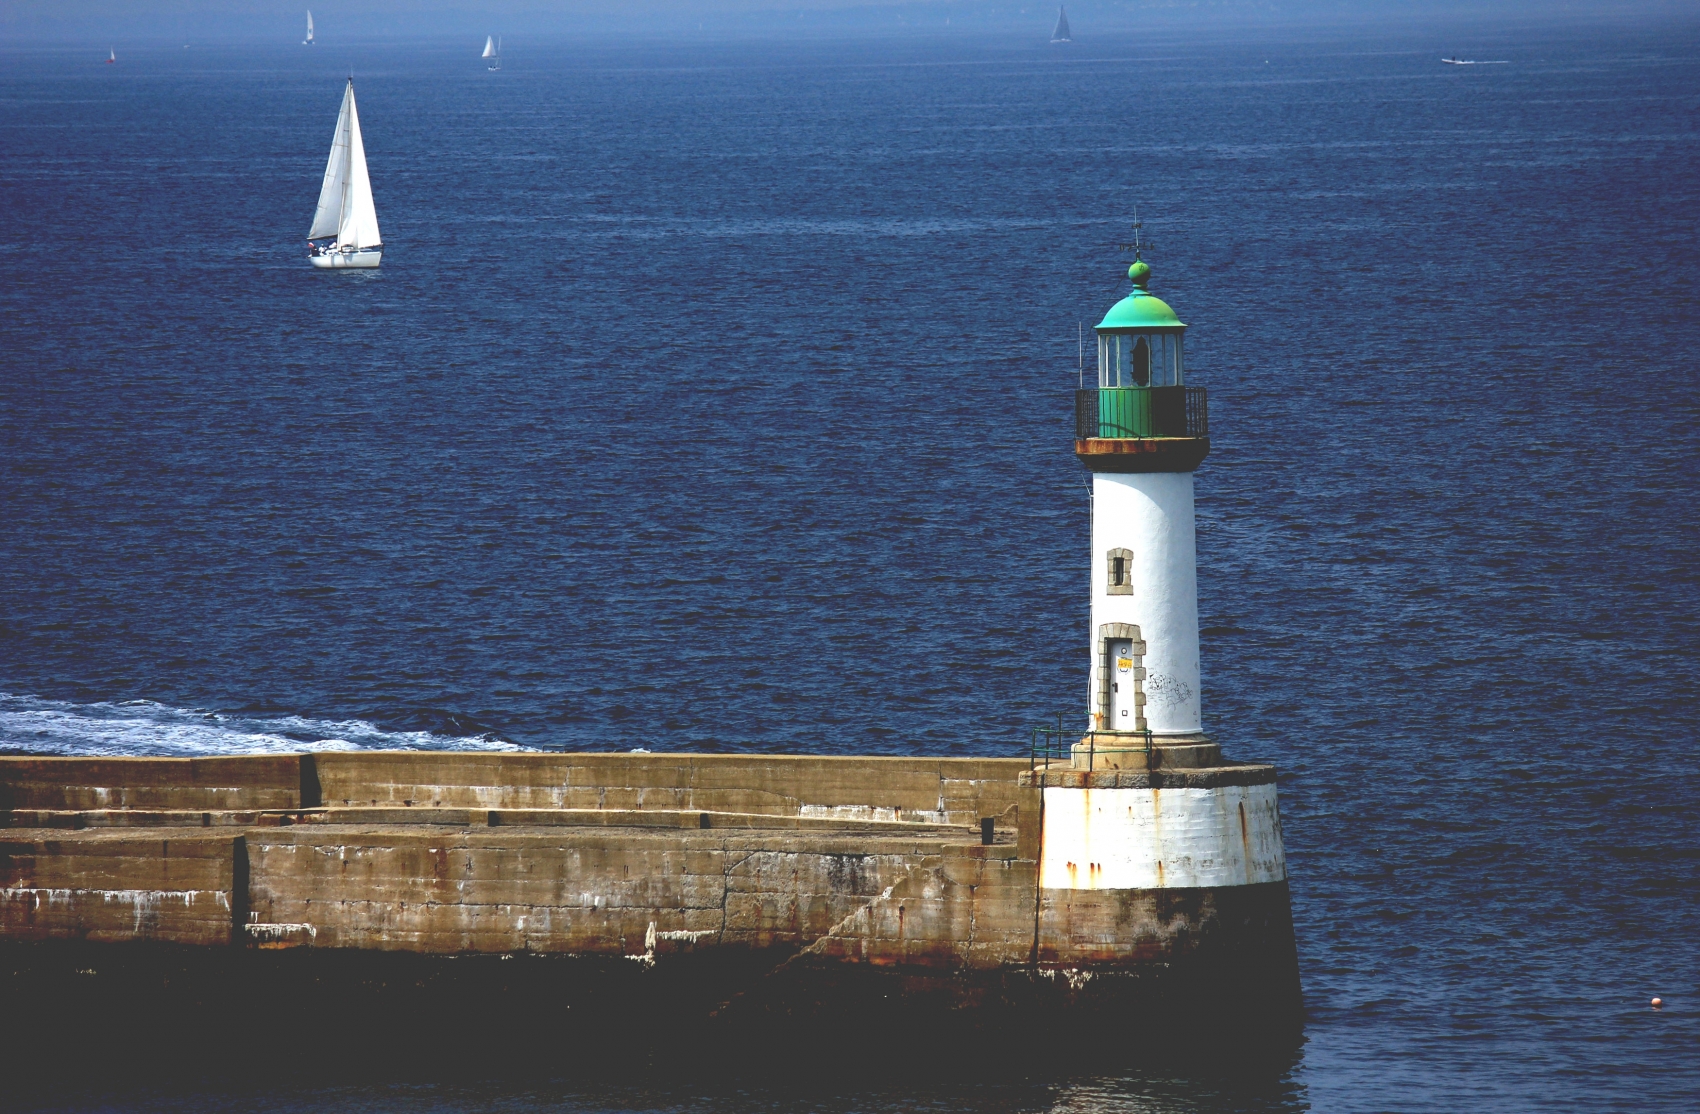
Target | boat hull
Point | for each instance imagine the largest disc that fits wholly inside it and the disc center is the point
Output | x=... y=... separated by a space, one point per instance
x=346 y=260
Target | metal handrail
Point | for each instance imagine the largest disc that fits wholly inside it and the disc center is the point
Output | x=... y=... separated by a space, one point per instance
x=1197 y=412
x=1051 y=743
x=1086 y=413
x=1191 y=418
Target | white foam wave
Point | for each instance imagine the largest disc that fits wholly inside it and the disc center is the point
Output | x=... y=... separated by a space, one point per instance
x=142 y=727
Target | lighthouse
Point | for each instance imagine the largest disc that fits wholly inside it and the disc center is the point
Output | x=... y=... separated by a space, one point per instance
x=1159 y=858
x=1141 y=432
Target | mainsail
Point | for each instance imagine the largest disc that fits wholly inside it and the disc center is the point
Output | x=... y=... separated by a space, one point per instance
x=489 y=47
x=345 y=199
x=1060 y=34
x=309 y=37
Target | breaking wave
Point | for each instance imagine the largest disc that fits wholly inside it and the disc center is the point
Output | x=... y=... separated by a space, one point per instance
x=32 y=725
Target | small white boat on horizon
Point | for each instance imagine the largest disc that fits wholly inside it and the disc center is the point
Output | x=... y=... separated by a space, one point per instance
x=493 y=51
x=1059 y=34
x=308 y=41
x=111 y=56
x=346 y=217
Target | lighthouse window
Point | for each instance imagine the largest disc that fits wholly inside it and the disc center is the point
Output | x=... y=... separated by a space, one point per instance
x=1141 y=362
x=1121 y=572
x=1156 y=361
x=1125 y=360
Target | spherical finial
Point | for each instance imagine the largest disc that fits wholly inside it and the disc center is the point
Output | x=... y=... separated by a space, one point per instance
x=1140 y=273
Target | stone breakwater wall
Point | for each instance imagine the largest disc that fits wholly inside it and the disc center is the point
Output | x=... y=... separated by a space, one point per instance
x=777 y=883
x=627 y=855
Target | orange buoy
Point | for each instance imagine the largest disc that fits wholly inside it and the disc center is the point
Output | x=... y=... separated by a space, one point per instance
x=1658 y=1003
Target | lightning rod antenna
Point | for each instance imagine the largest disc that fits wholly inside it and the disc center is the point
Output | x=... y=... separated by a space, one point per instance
x=1138 y=245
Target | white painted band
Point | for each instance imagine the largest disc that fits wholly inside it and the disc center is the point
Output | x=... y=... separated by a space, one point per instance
x=1154 y=839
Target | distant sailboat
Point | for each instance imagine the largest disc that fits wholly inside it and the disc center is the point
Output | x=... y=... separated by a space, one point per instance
x=493 y=51
x=308 y=41
x=346 y=215
x=1060 y=33
x=111 y=56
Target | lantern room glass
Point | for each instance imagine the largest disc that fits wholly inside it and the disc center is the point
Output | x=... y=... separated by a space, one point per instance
x=1141 y=360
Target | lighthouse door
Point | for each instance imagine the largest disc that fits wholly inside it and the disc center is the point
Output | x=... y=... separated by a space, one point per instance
x=1124 y=715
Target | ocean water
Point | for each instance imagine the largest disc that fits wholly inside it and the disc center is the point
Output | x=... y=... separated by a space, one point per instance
x=717 y=396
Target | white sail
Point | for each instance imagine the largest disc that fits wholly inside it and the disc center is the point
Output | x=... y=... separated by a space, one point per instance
x=345 y=199
x=327 y=219
x=1060 y=33
x=309 y=37
x=359 y=227
x=345 y=209
x=489 y=47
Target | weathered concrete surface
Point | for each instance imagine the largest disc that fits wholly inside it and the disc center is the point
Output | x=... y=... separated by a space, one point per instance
x=118 y=886
x=594 y=854
x=635 y=893
x=929 y=790
x=1151 y=838
x=1068 y=777
x=248 y=782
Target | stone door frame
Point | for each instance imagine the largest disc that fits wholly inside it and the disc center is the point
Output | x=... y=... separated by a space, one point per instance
x=1103 y=670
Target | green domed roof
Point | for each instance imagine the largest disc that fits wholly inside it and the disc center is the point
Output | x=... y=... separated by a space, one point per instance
x=1139 y=310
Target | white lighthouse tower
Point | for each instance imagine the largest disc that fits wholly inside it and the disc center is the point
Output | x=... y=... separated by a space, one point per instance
x=1141 y=432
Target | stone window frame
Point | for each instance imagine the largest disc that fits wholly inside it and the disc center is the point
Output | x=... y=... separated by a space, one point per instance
x=1125 y=588
x=1109 y=633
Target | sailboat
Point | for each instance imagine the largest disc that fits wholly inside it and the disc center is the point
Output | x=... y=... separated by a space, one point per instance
x=111 y=56
x=308 y=41
x=493 y=51
x=346 y=216
x=1060 y=33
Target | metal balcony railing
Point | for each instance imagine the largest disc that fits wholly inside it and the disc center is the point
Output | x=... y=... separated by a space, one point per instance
x=1123 y=412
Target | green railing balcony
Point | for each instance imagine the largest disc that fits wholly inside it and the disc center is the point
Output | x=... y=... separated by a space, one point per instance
x=1130 y=412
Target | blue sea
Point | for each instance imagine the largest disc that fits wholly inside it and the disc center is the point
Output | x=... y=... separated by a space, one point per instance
x=716 y=395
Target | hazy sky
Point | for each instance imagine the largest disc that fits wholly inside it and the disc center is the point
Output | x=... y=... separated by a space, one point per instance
x=138 y=20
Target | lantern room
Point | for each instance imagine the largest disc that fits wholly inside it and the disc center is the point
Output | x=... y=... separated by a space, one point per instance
x=1141 y=391
x=1140 y=341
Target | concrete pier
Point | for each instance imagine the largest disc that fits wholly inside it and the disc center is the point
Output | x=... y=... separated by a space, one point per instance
x=718 y=889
